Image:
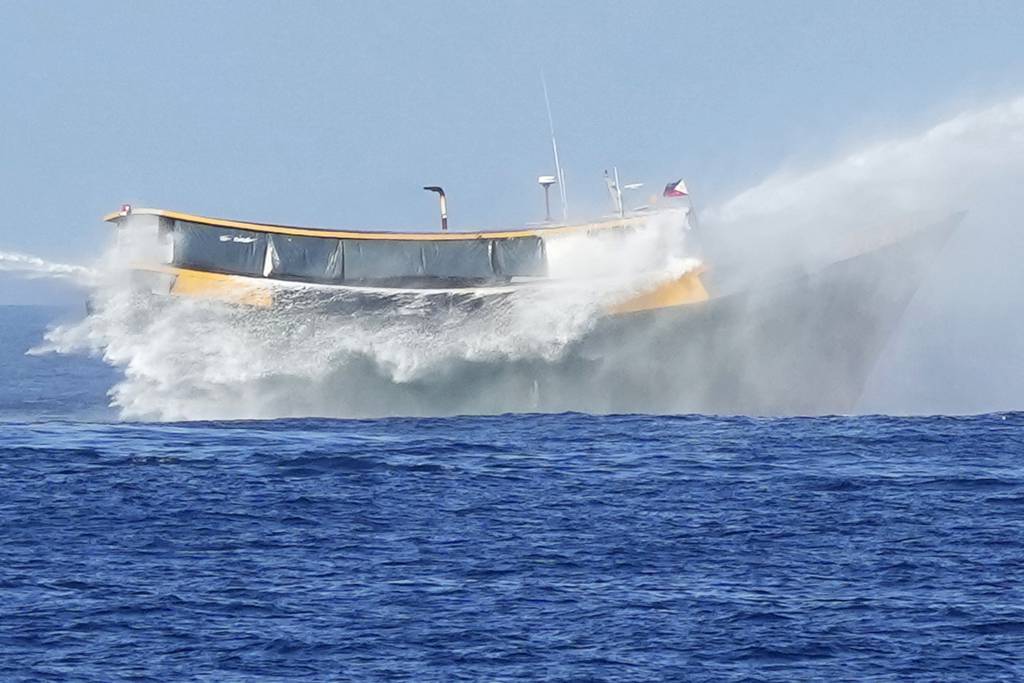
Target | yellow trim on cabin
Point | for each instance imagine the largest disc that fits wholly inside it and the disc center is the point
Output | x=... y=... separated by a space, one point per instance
x=379 y=235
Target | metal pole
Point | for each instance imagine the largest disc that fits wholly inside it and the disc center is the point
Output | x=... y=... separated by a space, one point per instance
x=554 y=148
x=546 y=181
x=444 y=205
x=618 y=193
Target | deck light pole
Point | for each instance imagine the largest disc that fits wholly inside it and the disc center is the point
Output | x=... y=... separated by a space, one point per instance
x=444 y=205
x=546 y=181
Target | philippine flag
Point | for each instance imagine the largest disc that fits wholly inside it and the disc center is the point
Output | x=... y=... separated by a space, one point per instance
x=676 y=189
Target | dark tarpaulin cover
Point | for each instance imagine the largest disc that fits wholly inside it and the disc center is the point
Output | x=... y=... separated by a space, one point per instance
x=316 y=259
x=458 y=259
x=327 y=259
x=382 y=259
x=223 y=250
x=520 y=256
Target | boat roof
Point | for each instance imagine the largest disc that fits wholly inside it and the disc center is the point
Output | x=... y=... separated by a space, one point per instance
x=377 y=234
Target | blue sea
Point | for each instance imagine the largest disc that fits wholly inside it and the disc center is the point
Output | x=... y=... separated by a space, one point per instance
x=517 y=547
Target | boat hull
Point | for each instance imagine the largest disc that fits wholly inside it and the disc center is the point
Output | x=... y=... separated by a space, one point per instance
x=804 y=345
x=783 y=345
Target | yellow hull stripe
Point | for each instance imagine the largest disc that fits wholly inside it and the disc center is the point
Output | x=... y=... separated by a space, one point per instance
x=683 y=291
x=228 y=288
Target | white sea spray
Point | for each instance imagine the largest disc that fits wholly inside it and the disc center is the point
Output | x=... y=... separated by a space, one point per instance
x=186 y=359
x=31 y=266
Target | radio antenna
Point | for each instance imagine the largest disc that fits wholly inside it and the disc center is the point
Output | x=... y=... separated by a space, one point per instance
x=554 y=149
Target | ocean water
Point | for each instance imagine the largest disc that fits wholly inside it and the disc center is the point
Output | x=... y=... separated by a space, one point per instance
x=515 y=547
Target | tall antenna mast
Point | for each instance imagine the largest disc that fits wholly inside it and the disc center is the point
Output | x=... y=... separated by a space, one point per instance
x=554 y=149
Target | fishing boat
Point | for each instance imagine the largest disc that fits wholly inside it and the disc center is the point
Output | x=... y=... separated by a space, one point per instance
x=269 y=265
x=717 y=338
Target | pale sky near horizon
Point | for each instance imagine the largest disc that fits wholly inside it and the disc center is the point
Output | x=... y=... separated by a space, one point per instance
x=335 y=114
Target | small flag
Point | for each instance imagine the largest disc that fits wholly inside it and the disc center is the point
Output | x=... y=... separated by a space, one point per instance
x=676 y=189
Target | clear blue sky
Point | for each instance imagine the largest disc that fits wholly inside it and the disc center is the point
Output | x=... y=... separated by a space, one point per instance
x=335 y=114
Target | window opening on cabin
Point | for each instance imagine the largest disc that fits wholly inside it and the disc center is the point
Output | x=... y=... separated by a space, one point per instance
x=336 y=260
